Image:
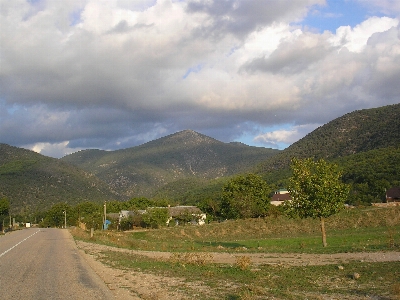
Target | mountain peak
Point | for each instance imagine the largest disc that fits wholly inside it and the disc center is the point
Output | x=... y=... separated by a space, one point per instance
x=187 y=154
x=185 y=138
x=191 y=134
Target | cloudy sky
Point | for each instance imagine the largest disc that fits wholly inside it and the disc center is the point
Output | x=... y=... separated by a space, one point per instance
x=113 y=74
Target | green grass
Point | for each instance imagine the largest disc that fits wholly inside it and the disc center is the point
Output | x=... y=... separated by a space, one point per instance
x=340 y=241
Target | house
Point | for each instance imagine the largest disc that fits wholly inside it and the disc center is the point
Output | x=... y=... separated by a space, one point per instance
x=191 y=214
x=280 y=196
x=393 y=194
x=129 y=213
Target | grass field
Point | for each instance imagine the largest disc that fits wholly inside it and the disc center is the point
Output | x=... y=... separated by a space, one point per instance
x=356 y=230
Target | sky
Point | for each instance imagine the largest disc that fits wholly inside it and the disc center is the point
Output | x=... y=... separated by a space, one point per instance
x=113 y=74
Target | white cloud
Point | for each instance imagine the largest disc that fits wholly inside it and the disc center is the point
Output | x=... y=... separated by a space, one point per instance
x=112 y=74
x=355 y=39
x=285 y=136
x=52 y=149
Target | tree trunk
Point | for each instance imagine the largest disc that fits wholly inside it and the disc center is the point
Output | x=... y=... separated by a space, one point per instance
x=323 y=232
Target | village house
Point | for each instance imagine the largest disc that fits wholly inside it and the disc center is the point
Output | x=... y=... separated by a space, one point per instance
x=393 y=195
x=190 y=214
x=280 y=196
x=178 y=214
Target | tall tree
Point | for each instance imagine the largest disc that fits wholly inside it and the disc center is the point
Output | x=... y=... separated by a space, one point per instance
x=4 y=206
x=317 y=191
x=55 y=216
x=245 y=197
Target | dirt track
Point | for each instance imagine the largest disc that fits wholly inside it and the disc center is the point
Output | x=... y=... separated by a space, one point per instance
x=293 y=259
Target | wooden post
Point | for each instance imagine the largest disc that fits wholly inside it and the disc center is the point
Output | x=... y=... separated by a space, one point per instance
x=323 y=232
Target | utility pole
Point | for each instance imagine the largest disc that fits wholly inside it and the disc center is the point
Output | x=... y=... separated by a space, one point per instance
x=105 y=215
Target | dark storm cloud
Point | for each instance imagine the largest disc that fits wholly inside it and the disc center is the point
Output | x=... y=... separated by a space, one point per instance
x=115 y=74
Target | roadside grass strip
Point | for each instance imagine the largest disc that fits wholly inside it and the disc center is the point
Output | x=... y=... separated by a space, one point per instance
x=19 y=243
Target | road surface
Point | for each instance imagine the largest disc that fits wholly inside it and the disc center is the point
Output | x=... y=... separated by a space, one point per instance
x=45 y=264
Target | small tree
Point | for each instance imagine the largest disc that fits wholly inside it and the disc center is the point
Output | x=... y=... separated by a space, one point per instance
x=245 y=197
x=211 y=207
x=156 y=217
x=317 y=191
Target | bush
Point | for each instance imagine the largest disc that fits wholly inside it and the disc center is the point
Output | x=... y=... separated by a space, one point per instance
x=155 y=217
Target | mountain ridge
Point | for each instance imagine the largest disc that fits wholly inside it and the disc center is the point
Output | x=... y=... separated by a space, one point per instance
x=141 y=170
x=354 y=132
x=32 y=181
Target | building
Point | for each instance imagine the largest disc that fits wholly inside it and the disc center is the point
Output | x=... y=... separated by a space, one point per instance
x=178 y=214
x=280 y=196
x=191 y=214
x=393 y=194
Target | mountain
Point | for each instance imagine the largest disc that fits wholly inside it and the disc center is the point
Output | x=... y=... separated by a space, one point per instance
x=142 y=170
x=33 y=182
x=355 y=132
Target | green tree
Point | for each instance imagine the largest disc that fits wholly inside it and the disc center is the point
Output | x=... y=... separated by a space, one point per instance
x=156 y=217
x=245 y=197
x=316 y=189
x=115 y=206
x=138 y=203
x=126 y=223
x=4 y=206
x=211 y=207
x=55 y=215
x=89 y=213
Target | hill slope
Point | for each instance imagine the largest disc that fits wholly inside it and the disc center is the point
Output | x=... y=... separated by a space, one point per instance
x=33 y=182
x=355 y=132
x=141 y=170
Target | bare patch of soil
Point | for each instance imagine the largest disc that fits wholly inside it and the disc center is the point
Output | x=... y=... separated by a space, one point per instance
x=127 y=284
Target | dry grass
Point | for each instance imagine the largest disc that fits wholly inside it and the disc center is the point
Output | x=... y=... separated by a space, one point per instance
x=395 y=291
x=243 y=262
x=192 y=258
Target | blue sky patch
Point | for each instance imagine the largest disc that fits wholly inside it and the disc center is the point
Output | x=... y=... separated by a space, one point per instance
x=335 y=14
x=194 y=69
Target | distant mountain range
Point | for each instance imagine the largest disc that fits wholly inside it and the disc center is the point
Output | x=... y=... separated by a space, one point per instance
x=142 y=170
x=33 y=182
x=188 y=164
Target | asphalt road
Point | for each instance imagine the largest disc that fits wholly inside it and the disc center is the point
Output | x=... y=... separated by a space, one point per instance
x=45 y=264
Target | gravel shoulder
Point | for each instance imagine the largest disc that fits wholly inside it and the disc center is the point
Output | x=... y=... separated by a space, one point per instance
x=127 y=284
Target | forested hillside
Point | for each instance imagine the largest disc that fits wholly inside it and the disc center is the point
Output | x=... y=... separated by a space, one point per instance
x=371 y=173
x=355 y=132
x=142 y=170
x=33 y=182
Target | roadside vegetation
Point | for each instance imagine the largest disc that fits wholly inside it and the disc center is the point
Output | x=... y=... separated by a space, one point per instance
x=352 y=230
x=368 y=229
